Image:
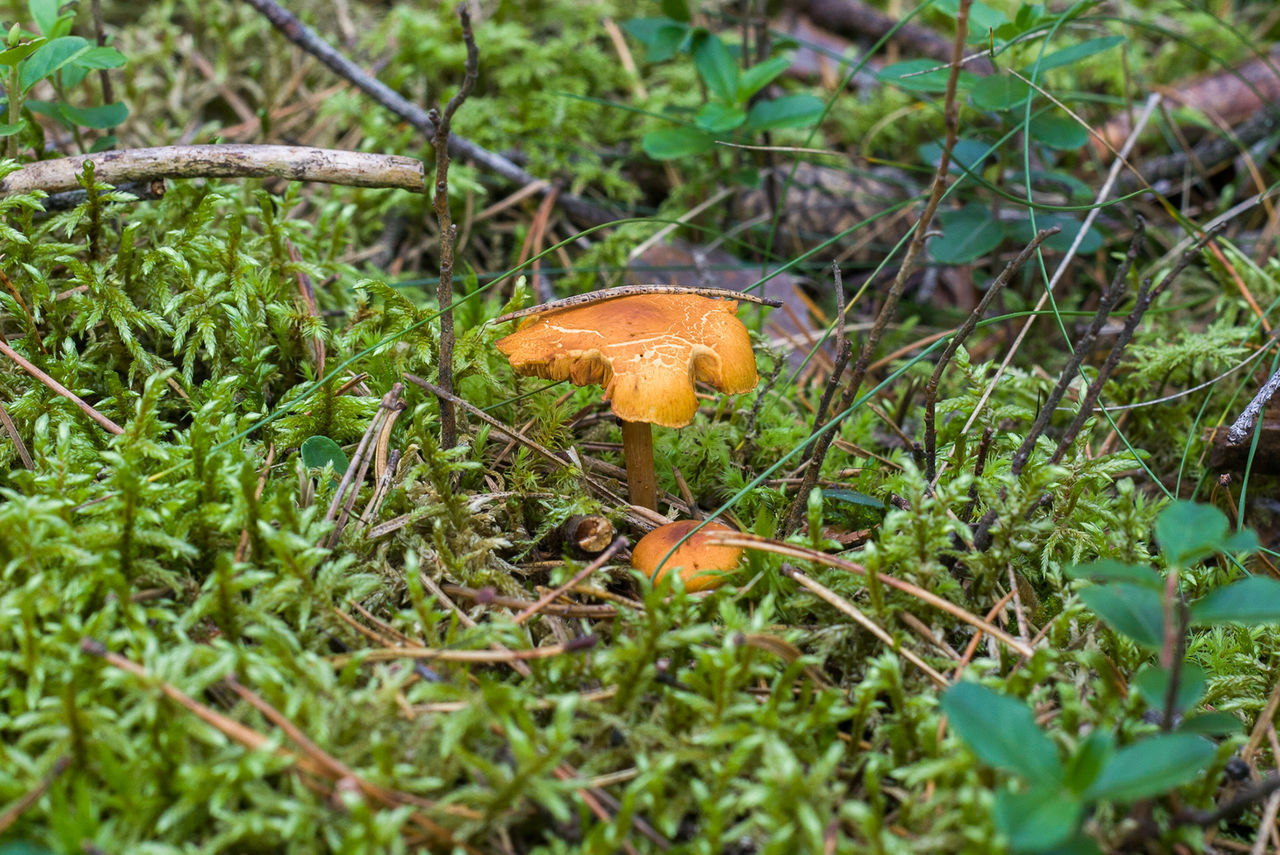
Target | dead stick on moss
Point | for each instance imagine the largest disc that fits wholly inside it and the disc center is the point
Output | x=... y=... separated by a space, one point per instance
x=850 y=610
x=107 y=424
x=982 y=534
x=802 y=553
x=295 y=163
x=603 y=559
x=358 y=466
x=12 y=429
x=475 y=657
x=15 y=810
x=449 y=231
x=951 y=112
x=305 y=38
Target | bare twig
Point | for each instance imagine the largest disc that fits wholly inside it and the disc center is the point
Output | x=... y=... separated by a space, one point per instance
x=15 y=810
x=448 y=231
x=343 y=501
x=791 y=550
x=1105 y=191
x=951 y=112
x=971 y=323
x=631 y=290
x=472 y=656
x=305 y=38
x=603 y=559
x=849 y=609
x=1108 y=300
x=295 y=163
x=25 y=365
x=12 y=429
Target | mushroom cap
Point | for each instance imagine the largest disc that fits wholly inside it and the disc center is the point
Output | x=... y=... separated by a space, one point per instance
x=646 y=350
x=702 y=565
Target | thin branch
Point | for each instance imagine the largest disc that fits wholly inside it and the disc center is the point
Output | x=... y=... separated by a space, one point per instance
x=12 y=429
x=448 y=231
x=305 y=38
x=472 y=656
x=801 y=553
x=603 y=559
x=107 y=424
x=847 y=608
x=970 y=324
x=914 y=248
x=295 y=163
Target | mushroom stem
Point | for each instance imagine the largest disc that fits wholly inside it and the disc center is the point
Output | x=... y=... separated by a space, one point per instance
x=637 y=453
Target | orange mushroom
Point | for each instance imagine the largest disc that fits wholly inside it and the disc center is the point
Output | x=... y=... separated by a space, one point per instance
x=646 y=350
x=702 y=565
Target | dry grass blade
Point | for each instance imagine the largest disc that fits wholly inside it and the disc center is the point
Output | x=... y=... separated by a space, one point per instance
x=764 y=544
x=12 y=429
x=15 y=810
x=601 y=560
x=470 y=656
x=842 y=605
x=107 y=424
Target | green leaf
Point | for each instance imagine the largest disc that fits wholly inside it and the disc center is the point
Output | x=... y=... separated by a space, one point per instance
x=100 y=57
x=1153 y=766
x=661 y=37
x=1215 y=723
x=1244 y=540
x=1110 y=570
x=982 y=18
x=44 y=13
x=967 y=234
x=853 y=497
x=1075 y=53
x=789 y=111
x=677 y=9
x=1000 y=92
x=670 y=143
x=1057 y=131
x=1188 y=532
x=1084 y=764
x=16 y=54
x=7 y=130
x=1131 y=610
x=967 y=154
x=1038 y=818
x=755 y=78
x=1152 y=683
x=106 y=116
x=716 y=66
x=49 y=57
x=320 y=451
x=1250 y=602
x=717 y=118
x=1002 y=731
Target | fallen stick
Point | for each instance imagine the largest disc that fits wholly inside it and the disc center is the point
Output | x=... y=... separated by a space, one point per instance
x=295 y=163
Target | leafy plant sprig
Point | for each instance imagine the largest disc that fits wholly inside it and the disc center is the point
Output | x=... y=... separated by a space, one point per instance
x=731 y=108
x=1045 y=812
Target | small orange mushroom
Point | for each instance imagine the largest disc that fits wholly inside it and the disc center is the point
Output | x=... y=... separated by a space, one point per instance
x=646 y=350
x=702 y=565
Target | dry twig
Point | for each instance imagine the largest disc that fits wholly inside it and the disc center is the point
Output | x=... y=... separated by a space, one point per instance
x=295 y=163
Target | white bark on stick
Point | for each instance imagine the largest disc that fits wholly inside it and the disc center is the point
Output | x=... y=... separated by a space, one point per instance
x=295 y=163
